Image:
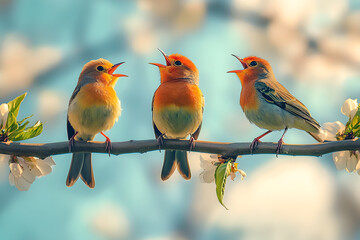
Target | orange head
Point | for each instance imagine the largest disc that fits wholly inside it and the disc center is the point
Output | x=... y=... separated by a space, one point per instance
x=102 y=70
x=177 y=68
x=254 y=68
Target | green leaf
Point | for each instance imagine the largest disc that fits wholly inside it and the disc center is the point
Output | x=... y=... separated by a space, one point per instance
x=14 y=105
x=355 y=123
x=221 y=174
x=11 y=120
x=23 y=126
x=13 y=127
x=18 y=130
x=28 y=132
x=24 y=119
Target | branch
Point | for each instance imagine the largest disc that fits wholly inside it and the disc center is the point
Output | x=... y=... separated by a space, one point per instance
x=142 y=146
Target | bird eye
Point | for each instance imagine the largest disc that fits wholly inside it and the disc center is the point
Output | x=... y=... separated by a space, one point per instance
x=100 y=68
x=177 y=63
x=253 y=63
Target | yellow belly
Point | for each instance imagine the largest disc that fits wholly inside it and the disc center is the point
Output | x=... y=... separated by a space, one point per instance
x=177 y=122
x=90 y=119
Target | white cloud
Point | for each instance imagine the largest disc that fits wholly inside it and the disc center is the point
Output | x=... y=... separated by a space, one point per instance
x=51 y=103
x=20 y=64
x=109 y=221
x=287 y=197
x=99 y=216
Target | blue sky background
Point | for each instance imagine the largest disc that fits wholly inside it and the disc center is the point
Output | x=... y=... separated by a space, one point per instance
x=314 y=49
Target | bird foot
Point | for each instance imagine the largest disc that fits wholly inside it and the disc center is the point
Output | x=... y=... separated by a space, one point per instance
x=192 y=143
x=278 y=149
x=108 y=145
x=71 y=142
x=280 y=143
x=254 y=144
x=160 y=141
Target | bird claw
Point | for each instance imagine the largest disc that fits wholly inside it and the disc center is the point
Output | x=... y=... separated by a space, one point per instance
x=254 y=144
x=108 y=143
x=192 y=143
x=71 y=142
x=280 y=143
x=108 y=146
x=278 y=149
x=160 y=141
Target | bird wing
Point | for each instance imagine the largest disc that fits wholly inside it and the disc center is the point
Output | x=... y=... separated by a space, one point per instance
x=83 y=82
x=156 y=130
x=275 y=93
x=70 y=129
x=195 y=135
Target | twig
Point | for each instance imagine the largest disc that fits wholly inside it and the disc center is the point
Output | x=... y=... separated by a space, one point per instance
x=142 y=146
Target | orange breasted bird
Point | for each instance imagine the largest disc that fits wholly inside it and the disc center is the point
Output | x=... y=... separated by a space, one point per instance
x=177 y=110
x=93 y=108
x=268 y=104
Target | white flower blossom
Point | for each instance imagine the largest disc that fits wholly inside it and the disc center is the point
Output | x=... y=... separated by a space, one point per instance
x=20 y=175
x=349 y=108
x=357 y=168
x=329 y=130
x=348 y=160
x=24 y=170
x=208 y=164
x=234 y=169
x=4 y=111
x=40 y=167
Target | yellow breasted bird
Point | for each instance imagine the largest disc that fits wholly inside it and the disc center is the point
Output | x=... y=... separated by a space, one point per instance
x=268 y=104
x=93 y=108
x=177 y=109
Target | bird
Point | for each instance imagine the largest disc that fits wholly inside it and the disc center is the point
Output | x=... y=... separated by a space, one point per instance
x=268 y=104
x=177 y=110
x=93 y=108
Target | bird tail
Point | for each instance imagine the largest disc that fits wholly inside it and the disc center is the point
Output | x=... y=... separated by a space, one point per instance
x=183 y=164
x=81 y=167
x=181 y=160
x=316 y=136
x=87 y=174
x=76 y=165
x=169 y=165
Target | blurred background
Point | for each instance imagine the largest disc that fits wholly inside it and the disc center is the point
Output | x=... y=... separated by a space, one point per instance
x=314 y=49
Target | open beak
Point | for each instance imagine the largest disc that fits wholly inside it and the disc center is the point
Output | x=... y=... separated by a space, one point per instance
x=168 y=63
x=113 y=68
x=242 y=62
